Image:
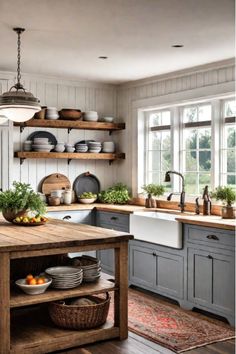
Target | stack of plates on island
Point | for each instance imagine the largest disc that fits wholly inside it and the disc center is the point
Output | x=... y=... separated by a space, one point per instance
x=64 y=277
x=94 y=146
x=79 y=147
x=42 y=145
x=91 y=267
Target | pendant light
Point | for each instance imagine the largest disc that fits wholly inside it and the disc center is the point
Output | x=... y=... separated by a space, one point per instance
x=17 y=104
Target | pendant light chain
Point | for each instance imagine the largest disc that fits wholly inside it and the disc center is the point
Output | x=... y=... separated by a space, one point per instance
x=18 y=85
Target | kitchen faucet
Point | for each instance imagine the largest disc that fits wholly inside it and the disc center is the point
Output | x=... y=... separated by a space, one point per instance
x=182 y=193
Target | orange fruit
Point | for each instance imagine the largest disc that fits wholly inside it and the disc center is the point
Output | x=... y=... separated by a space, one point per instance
x=40 y=281
x=28 y=278
x=33 y=281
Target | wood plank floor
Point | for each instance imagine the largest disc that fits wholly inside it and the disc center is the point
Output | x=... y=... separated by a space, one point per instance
x=139 y=345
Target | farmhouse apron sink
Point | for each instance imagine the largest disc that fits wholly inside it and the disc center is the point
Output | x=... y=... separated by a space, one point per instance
x=160 y=228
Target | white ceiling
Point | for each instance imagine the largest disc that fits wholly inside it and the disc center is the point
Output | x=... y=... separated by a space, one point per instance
x=64 y=38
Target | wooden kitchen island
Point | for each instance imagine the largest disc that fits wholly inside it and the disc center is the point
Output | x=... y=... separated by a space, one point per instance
x=24 y=326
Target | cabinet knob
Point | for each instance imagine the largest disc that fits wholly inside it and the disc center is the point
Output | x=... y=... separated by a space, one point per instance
x=212 y=237
x=114 y=218
x=209 y=256
x=67 y=217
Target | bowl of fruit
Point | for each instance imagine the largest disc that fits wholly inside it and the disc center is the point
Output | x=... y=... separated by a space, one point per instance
x=87 y=198
x=30 y=220
x=34 y=285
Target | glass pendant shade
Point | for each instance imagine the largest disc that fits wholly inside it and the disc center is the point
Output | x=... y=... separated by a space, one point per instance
x=18 y=105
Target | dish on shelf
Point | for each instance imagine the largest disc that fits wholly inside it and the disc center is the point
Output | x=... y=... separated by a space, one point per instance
x=33 y=289
x=108 y=119
x=43 y=134
x=70 y=114
x=86 y=182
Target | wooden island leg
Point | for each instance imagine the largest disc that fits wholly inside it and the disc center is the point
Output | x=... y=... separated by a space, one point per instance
x=121 y=295
x=4 y=303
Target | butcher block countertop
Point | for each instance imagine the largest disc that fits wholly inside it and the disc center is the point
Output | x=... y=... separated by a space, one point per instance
x=55 y=234
x=188 y=217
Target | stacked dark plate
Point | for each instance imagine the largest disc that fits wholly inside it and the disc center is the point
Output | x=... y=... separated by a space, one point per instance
x=64 y=277
x=91 y=267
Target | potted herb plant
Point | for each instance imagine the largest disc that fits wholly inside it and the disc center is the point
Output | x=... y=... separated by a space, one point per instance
x=20 y=200
x=117 y=194
x=152 y=190
x=227 y=195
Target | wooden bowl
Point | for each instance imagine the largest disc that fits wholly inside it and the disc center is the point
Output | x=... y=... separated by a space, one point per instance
x=70 y=114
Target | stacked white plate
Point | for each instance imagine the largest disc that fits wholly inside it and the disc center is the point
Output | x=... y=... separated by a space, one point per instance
x=94 y=146
x=42 y=145
x=91 y=267
x=64 y=277
x=81 y=147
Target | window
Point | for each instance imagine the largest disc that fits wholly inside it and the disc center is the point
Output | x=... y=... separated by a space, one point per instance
x=228 y=175
x=196 y=153
x=196 y=139
x=158 y=151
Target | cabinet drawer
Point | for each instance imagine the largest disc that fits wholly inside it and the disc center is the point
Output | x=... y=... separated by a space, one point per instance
x=209 y=236
x=116 y=221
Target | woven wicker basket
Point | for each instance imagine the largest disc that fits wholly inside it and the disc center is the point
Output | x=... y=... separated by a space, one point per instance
x=80 y=317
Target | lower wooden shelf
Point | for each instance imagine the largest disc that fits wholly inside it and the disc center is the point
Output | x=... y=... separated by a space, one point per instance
x=33 y=332
x=20 y=299
x=69 y=156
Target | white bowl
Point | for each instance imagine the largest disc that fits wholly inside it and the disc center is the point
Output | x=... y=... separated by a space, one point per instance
x=87 y=200
x=91 y=113
x=33 y=289
x=108 y=119
x=60 y=148
x=91 y=119
x=70 y=149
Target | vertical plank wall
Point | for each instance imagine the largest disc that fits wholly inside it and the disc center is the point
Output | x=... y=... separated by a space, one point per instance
x=61 y=94
x=202 y=78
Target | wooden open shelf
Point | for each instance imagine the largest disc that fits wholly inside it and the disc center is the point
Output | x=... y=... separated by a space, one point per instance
x=20 y=299
x=32 y=331
x=68 y=124
x=69 y=156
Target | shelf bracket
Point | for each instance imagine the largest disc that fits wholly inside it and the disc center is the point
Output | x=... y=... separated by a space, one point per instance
x=22 y=160
x=22 y=127
x=68 y=161
x=110 y=132
x=110 y=162
x=69 y=130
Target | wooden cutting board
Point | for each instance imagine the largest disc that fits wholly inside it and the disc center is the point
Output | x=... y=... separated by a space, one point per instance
x=55 y=181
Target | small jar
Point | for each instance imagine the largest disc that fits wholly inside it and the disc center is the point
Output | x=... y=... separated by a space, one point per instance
x=67 y=196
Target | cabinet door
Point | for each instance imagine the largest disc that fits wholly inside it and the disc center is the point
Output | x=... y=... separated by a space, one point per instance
x=211 y=280
x=169 y=274
x=142 y=267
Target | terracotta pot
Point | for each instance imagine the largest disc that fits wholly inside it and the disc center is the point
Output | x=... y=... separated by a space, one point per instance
x=10 y=214
x=228 y=212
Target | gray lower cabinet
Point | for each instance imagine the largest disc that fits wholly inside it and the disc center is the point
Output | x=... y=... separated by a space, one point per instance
x=157 y=268
x=115 y=221
x=210 y=266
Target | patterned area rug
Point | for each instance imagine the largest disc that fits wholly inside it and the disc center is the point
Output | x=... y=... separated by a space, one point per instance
x=170 y=326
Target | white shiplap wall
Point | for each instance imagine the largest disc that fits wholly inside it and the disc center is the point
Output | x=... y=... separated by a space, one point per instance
x=197 y=82
x=60 y=94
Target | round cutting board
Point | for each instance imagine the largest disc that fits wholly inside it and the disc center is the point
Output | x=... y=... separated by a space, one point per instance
x=55 y=181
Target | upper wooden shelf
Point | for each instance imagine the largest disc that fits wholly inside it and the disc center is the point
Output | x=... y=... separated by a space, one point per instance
x=68 y=124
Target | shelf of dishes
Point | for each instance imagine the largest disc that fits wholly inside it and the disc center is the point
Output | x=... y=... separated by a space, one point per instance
x=69 y=155
x=67 y=124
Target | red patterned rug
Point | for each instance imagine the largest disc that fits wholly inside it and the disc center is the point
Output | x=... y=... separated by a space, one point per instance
x=170 y=326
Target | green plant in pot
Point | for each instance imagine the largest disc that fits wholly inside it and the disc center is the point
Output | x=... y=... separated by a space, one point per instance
x=152 y=190
x=117 y=194
x=19 y=201
x=227 y=195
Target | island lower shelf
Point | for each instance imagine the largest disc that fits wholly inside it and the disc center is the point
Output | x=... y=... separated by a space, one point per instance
x=33 y=332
